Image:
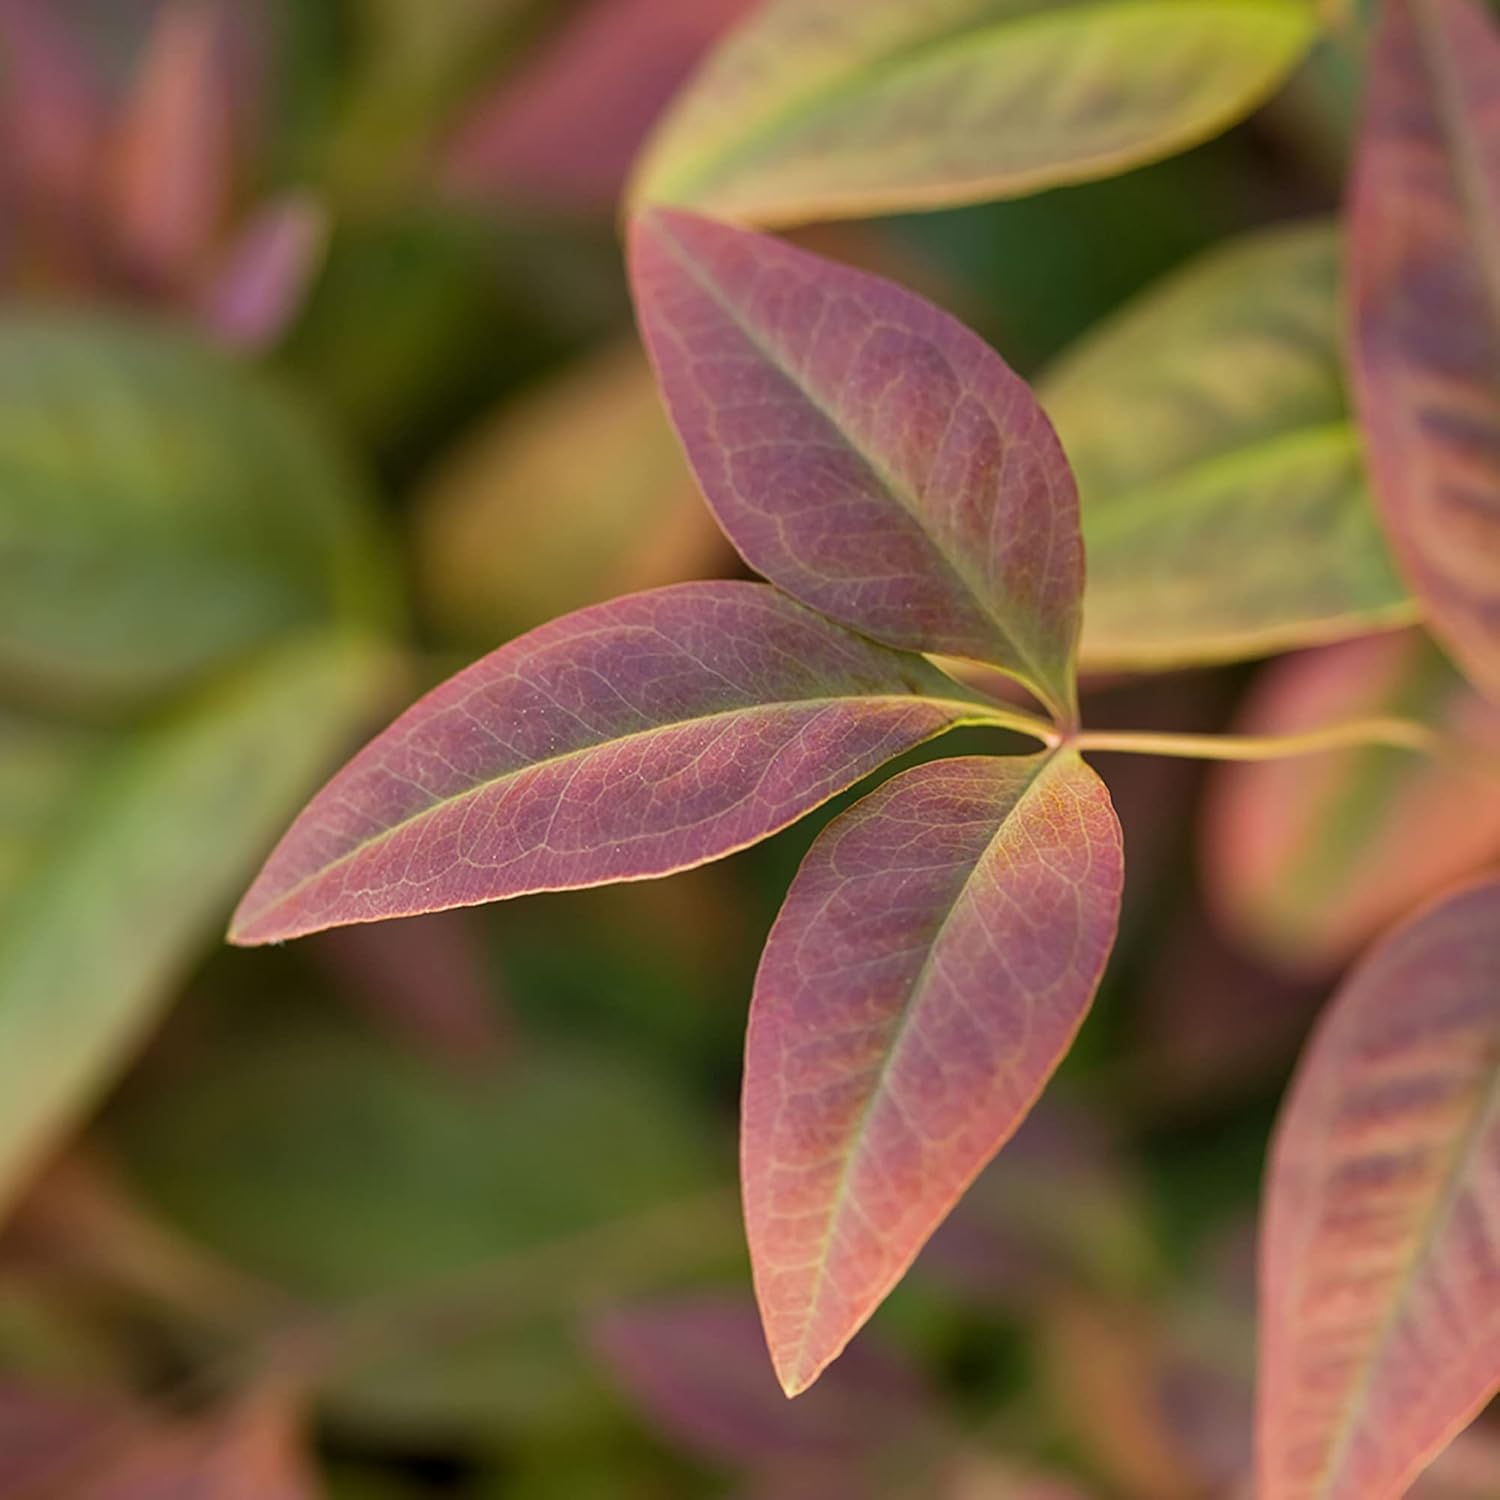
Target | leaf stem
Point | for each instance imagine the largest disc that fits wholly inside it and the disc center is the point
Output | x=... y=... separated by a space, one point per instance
x=1395 y=734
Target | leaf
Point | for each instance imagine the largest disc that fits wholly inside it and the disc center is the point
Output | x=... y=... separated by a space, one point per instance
x=934 y=959
x=489 y=549
x=174 y=159
x=1424 y=267
x=452 y=1226
x=131 y=877
x=1307 y=861
x=1224 y=504
x=562 y=132
x=93 y=1449
x=820 y=109
x=695 y=1363
x=1380 y=1264
x=161 y=511
x=863 y=450
x=257 y=289
x=642 y=736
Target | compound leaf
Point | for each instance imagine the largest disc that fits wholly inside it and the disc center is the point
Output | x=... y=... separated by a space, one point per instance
x=1380 y=1249
x=1424 y=252
x=863 y=449
x=934 y=959
x=820 y=108
x=635 y=738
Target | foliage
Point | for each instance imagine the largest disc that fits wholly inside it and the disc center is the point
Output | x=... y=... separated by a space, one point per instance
x=301 y=292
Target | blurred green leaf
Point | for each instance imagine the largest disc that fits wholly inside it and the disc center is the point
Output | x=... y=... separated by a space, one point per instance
x=146 y=846
x=1224 y=503
x=452 y=1223
x=161 y=511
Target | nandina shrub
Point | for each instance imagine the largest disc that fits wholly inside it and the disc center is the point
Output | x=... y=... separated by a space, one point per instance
x=1289 y=445
x=913 y=509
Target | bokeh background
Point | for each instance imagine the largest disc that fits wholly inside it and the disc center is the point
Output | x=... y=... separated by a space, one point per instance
x=317 y=380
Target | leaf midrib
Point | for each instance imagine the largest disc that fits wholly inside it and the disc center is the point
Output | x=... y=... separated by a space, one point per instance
x=972 y=713
x=1122 y=508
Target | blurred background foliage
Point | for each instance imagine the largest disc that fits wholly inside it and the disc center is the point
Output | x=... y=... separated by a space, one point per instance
x=317 y=380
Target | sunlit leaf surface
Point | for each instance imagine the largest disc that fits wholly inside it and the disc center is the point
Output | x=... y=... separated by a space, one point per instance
x=1224 y=503
x=1307 y=860
x=1424 y=252
x=646 y=735
x=819 y=108
x=934 y=959
x=1380 y=1247
x=143 y=850
x=863 y=449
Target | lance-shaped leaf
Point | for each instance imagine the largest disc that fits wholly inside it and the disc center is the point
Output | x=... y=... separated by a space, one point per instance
x=1224 y=505
x=1308 y=860
x=1424 y=254
x=135 y=868
x=864 y=450
x=820 y=108
x=642 y=736
x=161 y=510
x=1380 y=1248
x=936 y=955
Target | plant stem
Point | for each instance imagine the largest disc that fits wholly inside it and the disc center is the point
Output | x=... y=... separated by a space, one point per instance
x=1394 y=734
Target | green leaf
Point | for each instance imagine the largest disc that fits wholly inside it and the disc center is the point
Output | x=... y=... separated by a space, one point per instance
x=450 y=1222
x=161 y=511
x=1225 y=509
x=132 y=863
x=826 y=109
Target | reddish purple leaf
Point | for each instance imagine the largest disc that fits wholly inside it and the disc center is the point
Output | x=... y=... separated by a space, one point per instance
x=864 y=450
x=175 y=154
x=698 y=1366
x=937 y=952
x=567 y=128
x=1380 y=1246
x=52 y=121
x=1425 y=281
x=634 y=738
x=258 y=287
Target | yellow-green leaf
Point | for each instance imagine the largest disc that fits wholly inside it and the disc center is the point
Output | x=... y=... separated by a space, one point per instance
x=161 y=511
x=826 y=108
x=133 y=861
x=1225 y=509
